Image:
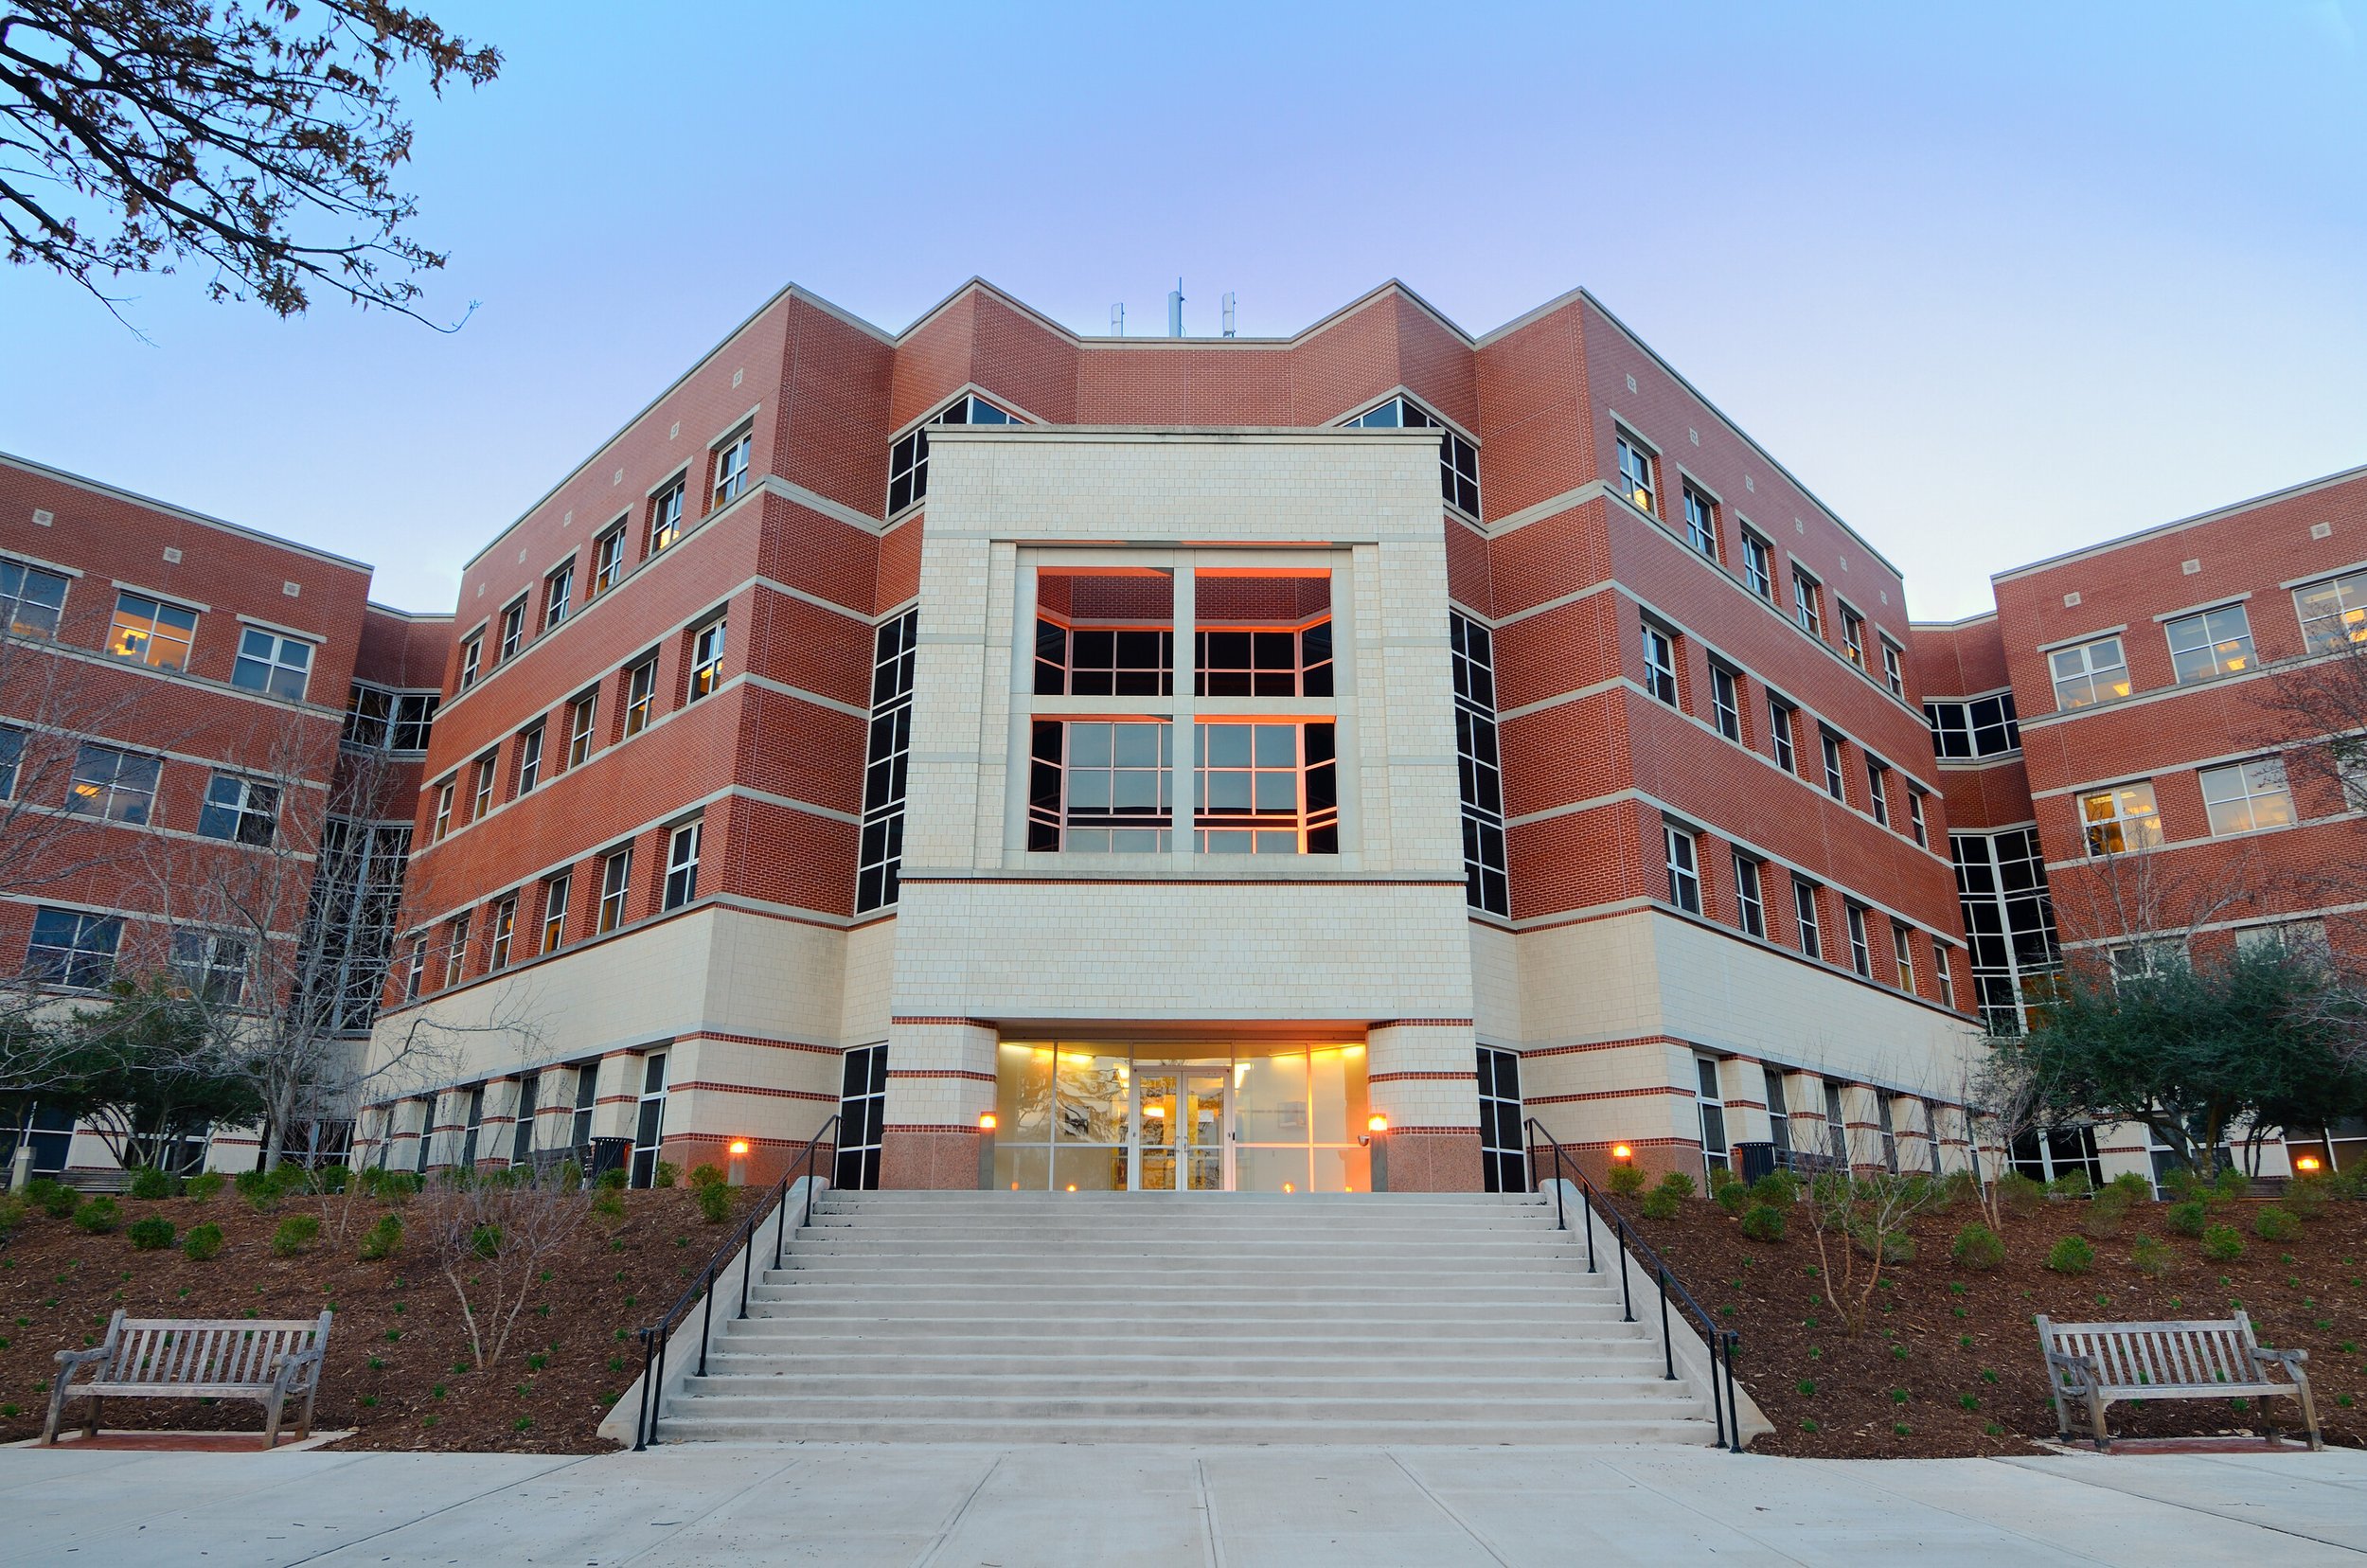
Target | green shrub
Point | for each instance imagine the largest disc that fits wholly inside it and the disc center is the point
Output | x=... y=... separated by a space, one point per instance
x=98 y=1216
x=1680 y=1183
x=381 y=1239
x=203 y=1242
x=1733 y=1197
x=2071 y=1255
x=715 y=1203
x=1778 y=1187
x=707 y=1176
x=1978 y=1248
x=12 y=1209
x=612 y=1178
x=262 y=1189
x=1764 y=1222
x=203 y=1188
x=395 y=1186
x=55 y=1199
x=296 y=1234
x=570 y=1175
x=2230 y=1183
x=609 y=1204
x=2151 y=1256
x=2019 y=1194
x=1958 y=1186
x=2271 y=1223
x=2221 y=1244
x=2072 y=1184
x=2188 y=1216
x=149 y=1183
x=668 y=1174
x=1625 y=1180
x=328 y=1179
x=153 y=1234
x=485 y=1241
x=1664 y=1201
x=2105 y=1211
x=2134 y=1185
x=2308 y=1196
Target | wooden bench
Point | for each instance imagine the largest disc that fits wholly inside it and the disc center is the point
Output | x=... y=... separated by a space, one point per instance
x=2092 y=1364
x=269 y=1361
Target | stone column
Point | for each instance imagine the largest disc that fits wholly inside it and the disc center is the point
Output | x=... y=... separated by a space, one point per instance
x=940 y=1079
x=1424 y=1077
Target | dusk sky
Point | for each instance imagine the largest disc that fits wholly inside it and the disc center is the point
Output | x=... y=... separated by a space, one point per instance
x=1994 y=281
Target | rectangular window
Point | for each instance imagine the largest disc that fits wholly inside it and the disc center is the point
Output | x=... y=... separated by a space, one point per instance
x=150 y=632
x=2216 y=642
x=908 y=459
x=2122 y=819
x=357 y=894
x=731 y=470
x=513 y=628
x=505 y=930
x=1684 y=870
x=1458 y=459
x=1803 y=912
x=521 y=1120
x=30 y=599
x=879 y=855
x=1877 y=790
x=587 y=1100
x=1780 y=729
x=1266 y=790
x=1726 y=701
x=240 y=810
x=2333 y=613
x=1635 y=472
x=1748 y=902
x=416 y=971
x=1504 y=1154
x=2091 y=673
x=554 y=912
x=470 y=652
x=1830 y=743
x=862 y=1110
x=607 y=560
x=1836 y=1126
x=379 y=720
x=1103 y=788
x=269 y=662
x=2247 y=795
x=640 y=686
x=1660 y=664
x=443 y=812
x=1860 y=950
x=473 y=1121
x=1701 y=521
x=615 y=881
x=11 y=758
x=1981 y=726
x=455 y=951
x=1944 y=973
x=482 y=801
x=1890 y=1132
x=1712 y=1105
x=1758 y=565
x=2009 y=922
x=1258 y=663
x=72 y=949
x=1921 y=828
x=664 y=519
x=1806 y=604
x=682 y=865
x=650 y=1121
x=1853 y=636
x=556 y=589
x=117 y=785
x=706 y=660
x=1778 y=1115
x=1480 y=770
x=1903 y=948
x=529 y=759
x=580 y=714
x=1894 y=670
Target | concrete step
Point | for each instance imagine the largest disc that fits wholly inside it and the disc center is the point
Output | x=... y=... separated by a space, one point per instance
x=1174 y=1381
x=759 y=1360
x=1441 y=1309
x=693 y=1427
x=1393 y=1405
x=1404 y=1344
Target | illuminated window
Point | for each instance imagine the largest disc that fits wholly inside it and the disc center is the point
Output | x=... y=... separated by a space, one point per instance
x=607 y=560
x=706 y=660
x=30 y=599
x=664 y=519
x=2121 y=819
x=2216 y=642
x=2333 y=613
x=1635 y=472
x=505 y=928
x=640 y=686
x=150 y=632
x=731 y=470
x=2243 y=796
x=117 y=785
x=2091 y=673
x=555 y=911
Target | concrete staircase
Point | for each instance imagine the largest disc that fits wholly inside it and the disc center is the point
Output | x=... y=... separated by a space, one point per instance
x=1151 y=1318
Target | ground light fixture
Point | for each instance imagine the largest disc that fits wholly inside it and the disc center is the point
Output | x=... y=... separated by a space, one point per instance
x=736 y=1172
x=2307 y=1164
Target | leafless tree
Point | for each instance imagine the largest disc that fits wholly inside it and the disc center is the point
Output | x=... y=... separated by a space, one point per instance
x=2323 y=697
x=492 y=1238
x=1861 y=1223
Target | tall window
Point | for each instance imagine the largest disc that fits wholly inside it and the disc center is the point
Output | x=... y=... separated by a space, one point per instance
x=1726 y=701
x=269 y=662
x=1458 y=459
x=580 y=714
x=1894 y=669
x=69 y=948
x=529 y=759
x=443 y=812
x=240 y=810
x=587 y=1100
x=1860 y=950
x=881 y=853
x=682 y=865
x=1102 y=787
x=117 y=785
x=2091 y=673
x=731 y=470
x=2333 y=613
x=1804 y=917
x=416 y=973
x=379 y=720
x=664 y=519
x=1878 y=777
x=1748 y=902
x=1758 y=565
x=1835 y=1124
x=1635 y=472
x=1830 y=743
x=1780 y=728
x=554 y=912
x=908 y=459
x=861 y=1113
x=455 y=951
x=483 y=800
x=1266 y=790
x=706 y=660
x=473 y=1122
x=1978 y=726
x=616 y=882
x=521 y=1120
x=1713 y=1106
x=11 y=758
x=1853 y=635
x=2120 y=820
x=349 y=929
x=1660 y=664
x=30 y=599
x=1890 y=1132
x=607 y=560
x=212 y=966
x=513 y=628
x=1903 y=948
x=1486 y=883
x=556 y=589
x=505 y=931
x=1778 y=1113
x=1684 y=868
x=1916 y=822
x=640 y=686
x=148 y=632
x=1701 y=521
x=1807 y=607
x=471 y=652
x=2247 y=795
x=649 y=1131
x=2009 y=922
x=1944 y=973
x=1504 y=1156
x=2216 y=642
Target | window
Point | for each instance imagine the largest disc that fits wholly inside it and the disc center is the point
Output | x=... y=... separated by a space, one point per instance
x=379 y=720
x=117 y=785
x=1778 y=1116
x=240 y=810
x=1836 y=1126
x=1758 y=565
x=2333 y=613
x=664 y=519
x=731 y=470
x=607 y=560
x=554 y=912
x=1684 y=870
x=1861 y=950
x=2050 y=1153
x=650 y=1123
x=615 y=881
x=1804 y=603
x=443 y=812
x=2009 y=922
x=1890 y=1132
x=1504 y=1154
x=579 y=715
x=1458 y=459
x=908 y=459
x=1105 y=788
x=2091 y=673
x=557 y=588
x=1853 y=635
x=1266 y=790
x=529 y=759
x=1979 y=726
x=2121 y=819
x=2216 y=642
x=1104 y=661
x=150 y=632
x=1701 y=521
x=1803 y=912
x=471 y=1122
x=1944 y=972
x=2247 y=795
x=269 y=662
x=1878 y=789
x=1486 y=883
x=470 y=652
x=1660 y=664
x=862 y=1111
x=2301 y=938
x=1831 y=746
x=587 y=1100
x=521 y=1120
x=1635 y=472
x=69 y=948
x=30 y=599
x=11 y=758
x=1254 y=663
x=483 y=800
x=1915 y=816
x=456 y=951
x=1779 y=729
x=1725 y=702
x=640 y=685
x=505 y=928
x=416 y=970
x=427 y=1129
x=1894 y=670
x=1749 y=903
x=880 y=855
x=357 y=895
x=1903 y=948
x=513 y=628
x=682 y=865
x=1713 y=1106
x=706 y=660
x=2146 y=960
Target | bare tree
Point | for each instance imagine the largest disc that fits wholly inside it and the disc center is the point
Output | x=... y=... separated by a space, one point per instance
x=492 y=1238
x=2323 y=697
x=1861 y=1223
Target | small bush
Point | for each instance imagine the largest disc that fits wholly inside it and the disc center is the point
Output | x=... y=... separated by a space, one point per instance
x=715 y=1203
x=2071 y=1255
x=1959 y=1186
x=203 y=1188
x=262 y=1189
x=1733 y=1197
x=1677 y=1183
x=609 y=1204
x=1764 y=1222
x=1666 y=1200
x=395 y=1186
x=1978 y=1248
x=203 y=1242
x=2230 y=1184
x=2221 y=1244
x=612 y=1179
x=2188 y=1216
x=153 y=1234
x=12 y=1210
x=707 y=1176
x=485 y=1241
x=668 y=1174
x=2103 y=1213
x=1625 y=1180
x=2019 y=1194
x=98 y=1216
x=2271 y=1223
x=330 y=1179
x=2152 y=1257
x=570 y=1175
x=54 y=1198
x=2308 y=1196
x=296 y=1234
x=381 y=1239
x=1776 y=1187
x=149 y=1183
x=2135 y=1184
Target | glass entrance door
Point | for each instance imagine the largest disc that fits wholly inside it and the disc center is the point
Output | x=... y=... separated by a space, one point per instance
x=1183 y=1125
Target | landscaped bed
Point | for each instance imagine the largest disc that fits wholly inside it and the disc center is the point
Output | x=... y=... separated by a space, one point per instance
x=1948 y=1363
x=399 y=1372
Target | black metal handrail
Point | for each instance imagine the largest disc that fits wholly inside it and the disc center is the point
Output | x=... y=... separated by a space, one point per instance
x=1724 y=1411
x=655 y=1338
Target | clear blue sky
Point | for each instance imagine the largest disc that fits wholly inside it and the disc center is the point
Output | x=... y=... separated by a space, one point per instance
x=1994 y=279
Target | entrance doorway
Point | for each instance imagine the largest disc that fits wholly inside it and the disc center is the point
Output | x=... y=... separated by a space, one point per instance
x=1183 y=1128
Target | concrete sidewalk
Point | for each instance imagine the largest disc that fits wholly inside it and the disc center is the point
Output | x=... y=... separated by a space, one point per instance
x=955 y=1507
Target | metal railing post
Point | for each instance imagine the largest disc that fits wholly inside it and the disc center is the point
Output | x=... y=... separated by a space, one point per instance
x=641 y=1420
x=1627 y=1302
x=706 y=1321
x=747 y=1262
x=1717 y=1411
x=659 y=1377
x=1669 y=1345
x=1733 y=1410
x=1586 y=1208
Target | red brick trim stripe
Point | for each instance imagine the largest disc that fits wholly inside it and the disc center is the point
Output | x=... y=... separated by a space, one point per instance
x=1422 y=1078
x=752 y=1088
x=968 y=1023
x=941 y=1072
x=762 y=1040
x=928 y=1127
x=1610 y=1095
x=1421 y=1024
x=1629 y=1043
x=1440 y=1131
x=1195 y=882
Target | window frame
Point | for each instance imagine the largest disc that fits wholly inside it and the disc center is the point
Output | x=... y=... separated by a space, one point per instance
x=1638 y=463
x=1831 y=752
x=640 y=688
x=2222 y=665
x=1903 y=956
x=502 y=929
x=529 y=757
x=2348 y=593
x=446 y=791
x=1894 y=667
x=607 y=560
x=1861 y=944
x=234 y=814
x=1853 y=636
x=1781 y=717
x=1808 y=603
x=1917 y=822
x=2089 y=672
x=1683 y=850
x=2246 y=795
x=1878 y=789
x=2117 y=823
x=559 y=588
x=127 y=622
x=583 y=713
x=1758 y=565
x=1750 y=895
x=1808 y=924
x=1701 y=520
x=273 y=662
x=482 y=793
x=1726 y=701
x=682 y=864
x=706 y=658
x=104 y=791
x=556 y=891
x=615 y=890
x=1660 y=674
x=472 y=657
x=513 y=629
x=85 y=966
x=667 y=524
x=13 y=600
x=733 y=454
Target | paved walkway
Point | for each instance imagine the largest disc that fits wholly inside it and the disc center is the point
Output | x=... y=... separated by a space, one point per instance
x=1219 y=1508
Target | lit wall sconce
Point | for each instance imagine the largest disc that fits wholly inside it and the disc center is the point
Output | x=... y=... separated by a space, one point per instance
x=2308 y=1165
x=1377 y=1139
x=735 y=1166
x=986 y=1124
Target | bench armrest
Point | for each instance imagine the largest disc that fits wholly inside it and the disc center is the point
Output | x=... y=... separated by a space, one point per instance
x=301 y=1366
x=69 y=1360
x=2079 y=1372
x=2292 y=1359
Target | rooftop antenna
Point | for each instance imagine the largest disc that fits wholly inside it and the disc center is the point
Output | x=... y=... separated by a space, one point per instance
x=1118 y=319
x=1175 y=310
x=1228 y=313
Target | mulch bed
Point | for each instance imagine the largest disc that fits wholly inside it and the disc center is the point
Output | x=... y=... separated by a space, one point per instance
x=399 y=1372
x=1941 y=1335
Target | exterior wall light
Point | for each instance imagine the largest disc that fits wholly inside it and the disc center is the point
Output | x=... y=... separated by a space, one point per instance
x=987 y=1121
x=1377 y=1123
x=736 y=1167
x=1622 y=1153
x=2307 y=1163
